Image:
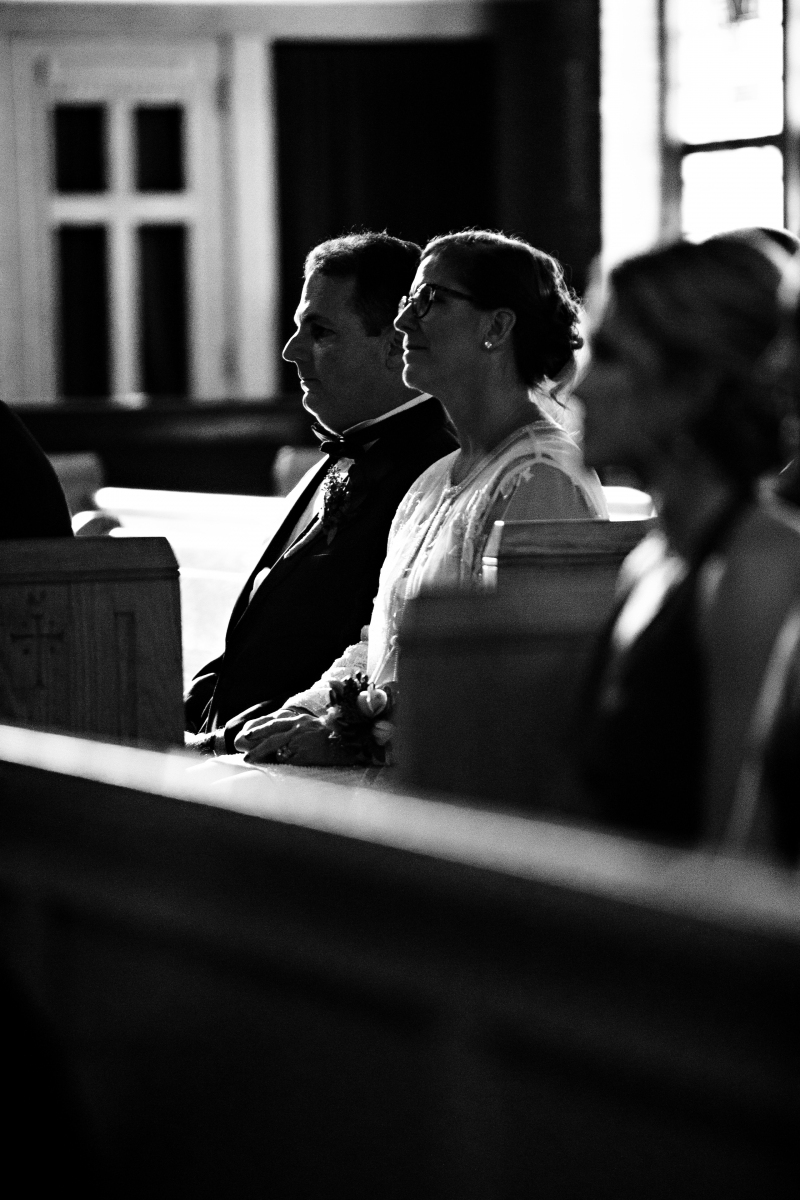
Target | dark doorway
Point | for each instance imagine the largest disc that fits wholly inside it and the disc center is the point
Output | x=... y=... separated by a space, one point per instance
x=82 y=268
x=164 y=350
x=395 y=136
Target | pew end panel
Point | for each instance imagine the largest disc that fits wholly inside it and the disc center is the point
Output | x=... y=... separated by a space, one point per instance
x=490 y=681
x=488 y=697
x=90 y=637
x=556 y=557
x=278 y=988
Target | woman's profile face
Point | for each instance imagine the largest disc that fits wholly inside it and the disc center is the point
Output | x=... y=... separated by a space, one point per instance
x=439 y=347
x=629 y=411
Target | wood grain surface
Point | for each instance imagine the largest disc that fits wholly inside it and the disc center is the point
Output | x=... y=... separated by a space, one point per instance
x=90 y=637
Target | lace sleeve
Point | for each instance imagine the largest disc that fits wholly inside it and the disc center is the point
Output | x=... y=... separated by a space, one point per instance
x=316 y=698
x=531 y=490
x=545 y=493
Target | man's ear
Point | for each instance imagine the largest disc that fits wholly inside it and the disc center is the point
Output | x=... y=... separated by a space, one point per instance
x=394 y=350
x=499 y=326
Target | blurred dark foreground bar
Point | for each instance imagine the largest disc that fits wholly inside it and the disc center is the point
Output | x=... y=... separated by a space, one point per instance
x=270 y=985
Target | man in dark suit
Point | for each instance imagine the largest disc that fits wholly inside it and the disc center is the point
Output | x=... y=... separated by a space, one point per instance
x=313 y=588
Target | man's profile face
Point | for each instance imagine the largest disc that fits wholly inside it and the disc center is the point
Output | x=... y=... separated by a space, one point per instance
x=342 y=370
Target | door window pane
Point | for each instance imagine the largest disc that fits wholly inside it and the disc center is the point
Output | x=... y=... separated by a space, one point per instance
x=726 y=69
x=163 y=291
x=159 y=149
x=727 y=189
x=79 y=136
x=83 y=310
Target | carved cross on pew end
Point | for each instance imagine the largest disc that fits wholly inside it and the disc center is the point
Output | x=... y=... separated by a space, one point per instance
x=40 y=636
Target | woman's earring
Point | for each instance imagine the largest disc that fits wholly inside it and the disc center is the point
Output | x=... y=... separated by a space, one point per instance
x=488 y=344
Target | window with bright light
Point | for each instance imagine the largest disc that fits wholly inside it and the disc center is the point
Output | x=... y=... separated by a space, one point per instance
x=725 y=112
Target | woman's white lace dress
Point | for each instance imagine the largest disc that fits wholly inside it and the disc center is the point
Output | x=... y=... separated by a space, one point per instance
x=440 y=530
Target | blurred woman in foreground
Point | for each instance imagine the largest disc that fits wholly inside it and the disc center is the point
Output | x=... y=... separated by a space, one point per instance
x=487 y=328
x=674 y=392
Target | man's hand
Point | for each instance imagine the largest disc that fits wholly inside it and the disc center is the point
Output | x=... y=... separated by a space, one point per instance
x=206 y=743
x=288 y=736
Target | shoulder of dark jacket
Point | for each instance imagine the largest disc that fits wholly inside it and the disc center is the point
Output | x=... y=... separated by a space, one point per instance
x=413 y=427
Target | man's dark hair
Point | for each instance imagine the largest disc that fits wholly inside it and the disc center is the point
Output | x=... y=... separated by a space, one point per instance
x=383 y=268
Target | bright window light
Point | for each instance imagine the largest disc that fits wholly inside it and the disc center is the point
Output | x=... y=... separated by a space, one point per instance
x=629 y=110
x=728 y=189
x=726 y=75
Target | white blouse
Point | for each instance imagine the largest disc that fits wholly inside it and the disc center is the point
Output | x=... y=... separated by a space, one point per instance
x=440 y=530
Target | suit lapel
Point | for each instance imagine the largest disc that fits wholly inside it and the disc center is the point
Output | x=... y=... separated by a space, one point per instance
x=298 y=500
x=376 y=463
x=306 y=534
x=302 y=493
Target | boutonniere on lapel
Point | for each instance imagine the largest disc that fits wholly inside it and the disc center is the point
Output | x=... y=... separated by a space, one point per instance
x=338 y=495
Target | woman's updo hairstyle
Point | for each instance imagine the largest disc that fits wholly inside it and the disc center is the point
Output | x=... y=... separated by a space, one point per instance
x=710 y=311
x=506 y=272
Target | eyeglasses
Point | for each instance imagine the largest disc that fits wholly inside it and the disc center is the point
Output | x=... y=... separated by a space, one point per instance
x=422 y=299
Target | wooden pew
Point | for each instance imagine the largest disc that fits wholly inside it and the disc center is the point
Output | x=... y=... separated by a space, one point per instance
x=275 y=987
x=490 y=680
x=561 y=564
x=90 y=637
x=217 y=541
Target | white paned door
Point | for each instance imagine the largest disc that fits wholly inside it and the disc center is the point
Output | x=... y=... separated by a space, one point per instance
x=119 y=184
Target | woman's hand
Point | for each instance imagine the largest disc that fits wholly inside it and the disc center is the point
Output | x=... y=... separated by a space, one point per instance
x=289 y=737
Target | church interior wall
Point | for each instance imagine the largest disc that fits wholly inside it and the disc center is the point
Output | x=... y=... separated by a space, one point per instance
x=543 y=151
x=242 y=36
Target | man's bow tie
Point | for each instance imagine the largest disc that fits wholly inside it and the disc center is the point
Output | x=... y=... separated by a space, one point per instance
x=349 y=445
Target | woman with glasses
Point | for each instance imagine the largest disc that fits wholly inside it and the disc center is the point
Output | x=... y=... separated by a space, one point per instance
x=490 y=328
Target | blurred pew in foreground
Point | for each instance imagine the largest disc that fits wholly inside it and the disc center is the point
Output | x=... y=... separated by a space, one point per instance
x=271 y=986
x=490 y=680
x=90 y=637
